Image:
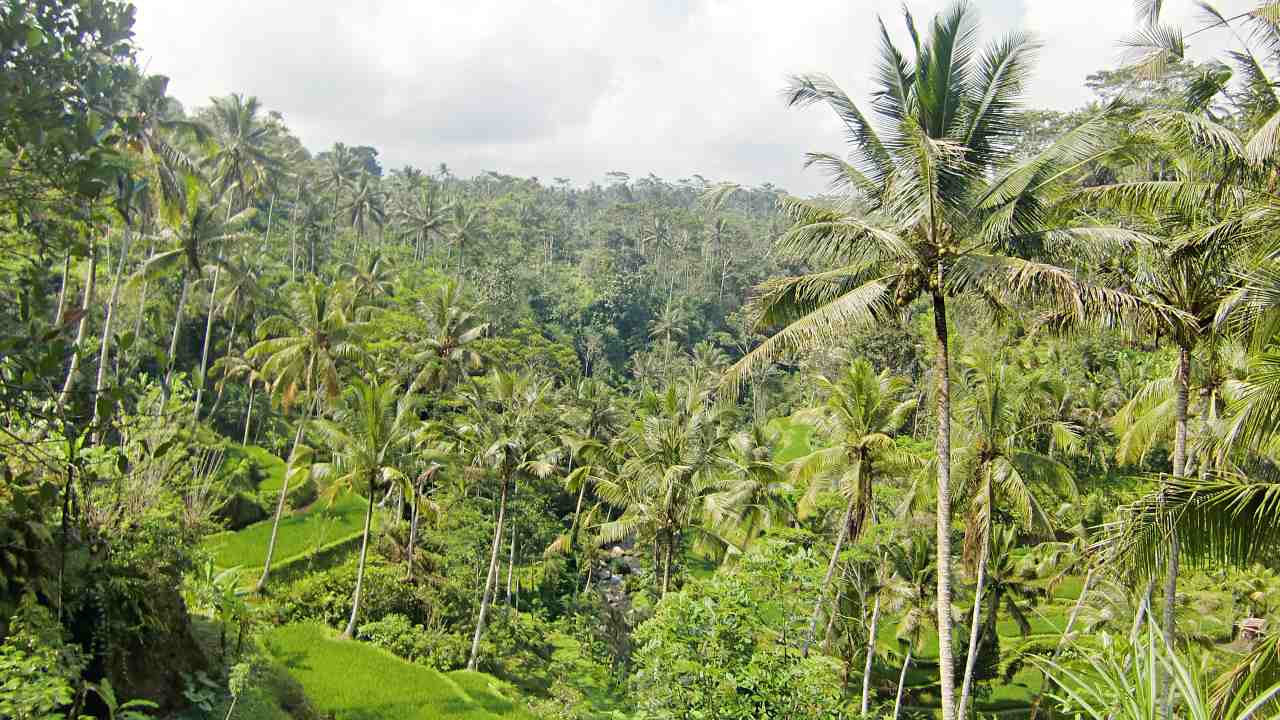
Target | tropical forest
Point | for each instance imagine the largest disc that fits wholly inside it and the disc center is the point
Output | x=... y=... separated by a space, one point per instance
x=982 y=423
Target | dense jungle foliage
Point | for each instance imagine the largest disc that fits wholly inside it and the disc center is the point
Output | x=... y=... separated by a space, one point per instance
x=987 y=429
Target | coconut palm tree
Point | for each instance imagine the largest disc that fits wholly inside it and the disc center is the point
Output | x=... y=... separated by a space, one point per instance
x=1194 y=207
x=367 y=433
x=203 y=230
x=367 y=205
x=243 y=159
x=371 y=279
x=449 y=351
x=465 y=229
x=301 y=355
x=504 y=435
x=758 y=495
x=150 y=130
x=673 y=463
x=914 y=565
x=859 y=417
x=426 y=218
x=339 y=168
x=934 y=211
x=1003 y=471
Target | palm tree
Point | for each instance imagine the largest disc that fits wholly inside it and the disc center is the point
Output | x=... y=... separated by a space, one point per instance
x=366 y=433
x=301 y=354
x=204 y=228
x=934 y=211
x=465 y=228
x=861 y=414
x=1005 y=474
x=367 y=205
x=1190 y=271
x=427 y=218
x=668 y=326
x=230 y=367
x=232 y=231
x=673 y=464
x=449 y=353
x=503 y=434
x=149 y=130
x=243 y=158
x=758 y=495
x=126 y=197
x=371 y=279
x=339 y=168
x=914 y=565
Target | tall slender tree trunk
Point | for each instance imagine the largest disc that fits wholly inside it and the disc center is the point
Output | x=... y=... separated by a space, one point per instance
x=350 y=632
x=902 y=682
x=231 y=343
x=1182 y=380
x=104 y=352
x=248 y=414
x=293 y=235
x=490 y=579
x=946 y=658
x=666 y=566
x=826 y=579
x=166 y=387
x=975 y=639
x=411 y=550
x=142 y=297
x=1062 y=641
x=284 y=492
x=271 y=210
x=90 y=282
x=871 y=653
x=208 y=333
x=61 y=307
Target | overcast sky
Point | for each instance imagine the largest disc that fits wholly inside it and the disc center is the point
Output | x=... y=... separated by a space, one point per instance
x=577 y=88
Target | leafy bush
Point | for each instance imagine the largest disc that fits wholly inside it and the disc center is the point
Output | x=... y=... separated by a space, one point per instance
x=431 y=647
x=707 y=652
x=39 y=670
x=326 y=596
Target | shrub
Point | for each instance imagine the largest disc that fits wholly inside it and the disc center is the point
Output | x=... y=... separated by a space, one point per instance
x=326 y=596
x=39 y=670
x=431 y=647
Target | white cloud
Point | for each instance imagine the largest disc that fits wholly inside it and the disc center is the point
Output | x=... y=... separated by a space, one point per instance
x=571 y=88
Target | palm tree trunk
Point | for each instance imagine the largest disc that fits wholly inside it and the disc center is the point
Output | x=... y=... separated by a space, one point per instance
x=666 y=566
x=871 y=653
x=142 y=297
x=208 y=332
x=1062 y=641
x=293 y=235
x=1169 y=624
x=946 y=658
x=90 y=281
x=248 y=414
x=166 y=386
x=826 y=580
x=222 y=386
x=284 y=492
x=410 y=551
x=511 y=562
x=364 y=552
x=105 y=350
x=271 y=210
x=971 y=661
x=60 y=310
x=490 y=579
x=902 y=681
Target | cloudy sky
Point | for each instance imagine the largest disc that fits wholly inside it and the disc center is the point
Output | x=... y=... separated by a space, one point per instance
x=577 y=88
